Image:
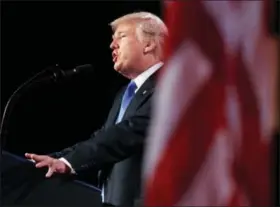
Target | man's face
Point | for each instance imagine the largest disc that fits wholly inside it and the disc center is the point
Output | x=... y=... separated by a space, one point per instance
x=127 y=50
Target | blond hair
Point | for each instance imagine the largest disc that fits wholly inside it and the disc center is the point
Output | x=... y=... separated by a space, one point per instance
x=148 y=25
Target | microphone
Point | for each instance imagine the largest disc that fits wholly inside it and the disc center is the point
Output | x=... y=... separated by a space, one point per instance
x=56 y=74
x=78 y=70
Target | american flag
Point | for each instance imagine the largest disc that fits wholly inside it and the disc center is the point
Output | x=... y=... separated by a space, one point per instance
x=214 y=107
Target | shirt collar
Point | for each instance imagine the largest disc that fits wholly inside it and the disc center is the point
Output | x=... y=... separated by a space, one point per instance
x=140 y=79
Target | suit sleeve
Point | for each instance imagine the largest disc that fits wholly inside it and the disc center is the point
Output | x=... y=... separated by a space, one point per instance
x=113 y=144
x=73 y=147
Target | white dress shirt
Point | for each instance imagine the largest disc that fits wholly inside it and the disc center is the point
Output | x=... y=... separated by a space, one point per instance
x=139 y=81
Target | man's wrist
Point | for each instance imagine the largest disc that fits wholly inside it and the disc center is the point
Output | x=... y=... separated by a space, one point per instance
x=68 y=164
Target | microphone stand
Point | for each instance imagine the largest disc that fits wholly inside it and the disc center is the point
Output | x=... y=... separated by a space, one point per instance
x=37 y=78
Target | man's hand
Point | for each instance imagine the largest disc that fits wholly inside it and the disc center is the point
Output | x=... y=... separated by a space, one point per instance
x=54 y=165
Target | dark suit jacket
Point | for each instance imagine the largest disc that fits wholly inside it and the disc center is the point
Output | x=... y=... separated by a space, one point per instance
x=117 y=149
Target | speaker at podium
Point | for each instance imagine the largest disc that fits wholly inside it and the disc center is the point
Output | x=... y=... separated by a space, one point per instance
x=24 y=185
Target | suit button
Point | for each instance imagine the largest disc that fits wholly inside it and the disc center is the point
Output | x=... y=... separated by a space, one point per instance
x=130 y=124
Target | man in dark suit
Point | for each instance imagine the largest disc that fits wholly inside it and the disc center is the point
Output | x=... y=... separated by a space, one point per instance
x=116 y=149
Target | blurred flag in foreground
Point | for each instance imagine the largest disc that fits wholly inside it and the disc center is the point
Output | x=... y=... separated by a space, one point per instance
x=214 y=108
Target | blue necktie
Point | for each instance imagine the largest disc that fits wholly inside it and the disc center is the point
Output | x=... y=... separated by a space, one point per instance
x=128 y=95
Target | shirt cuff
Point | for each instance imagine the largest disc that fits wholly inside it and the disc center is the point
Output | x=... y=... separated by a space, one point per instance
x=68 y=164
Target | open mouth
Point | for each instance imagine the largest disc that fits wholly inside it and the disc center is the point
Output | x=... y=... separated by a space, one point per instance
x=115 y=56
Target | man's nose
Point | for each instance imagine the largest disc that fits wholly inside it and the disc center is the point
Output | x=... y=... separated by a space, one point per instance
x=113 y=44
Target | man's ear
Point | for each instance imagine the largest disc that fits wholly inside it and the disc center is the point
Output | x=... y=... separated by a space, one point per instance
x=149 y=46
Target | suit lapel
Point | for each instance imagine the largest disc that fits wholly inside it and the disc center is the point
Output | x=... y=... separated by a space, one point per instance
x=115 y=109
x=141 y=95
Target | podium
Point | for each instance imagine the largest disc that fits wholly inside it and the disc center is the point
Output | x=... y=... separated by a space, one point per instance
x=25 y=185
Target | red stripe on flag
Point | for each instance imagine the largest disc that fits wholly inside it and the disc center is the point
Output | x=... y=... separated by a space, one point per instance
x=253 y=163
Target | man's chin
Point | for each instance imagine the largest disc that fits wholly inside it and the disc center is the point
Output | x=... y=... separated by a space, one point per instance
x=117 y=67
x=118 y=70
x=122 y=72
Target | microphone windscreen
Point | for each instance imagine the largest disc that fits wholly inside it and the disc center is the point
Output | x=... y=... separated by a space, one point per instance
x=84 y=68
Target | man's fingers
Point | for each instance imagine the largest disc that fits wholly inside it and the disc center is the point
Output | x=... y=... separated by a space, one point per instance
x=35 y=157
x=38 y=158
x=43 y=163
x=50 y=172
x=28 y=155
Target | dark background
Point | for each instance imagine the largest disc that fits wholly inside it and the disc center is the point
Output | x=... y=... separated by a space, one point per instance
x=35 y=35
